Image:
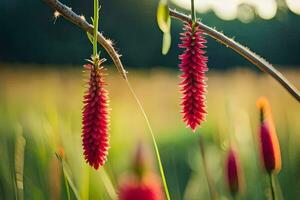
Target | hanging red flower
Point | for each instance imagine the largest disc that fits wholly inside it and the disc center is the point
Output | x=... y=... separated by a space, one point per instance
x=193 y=66
x=95 y=118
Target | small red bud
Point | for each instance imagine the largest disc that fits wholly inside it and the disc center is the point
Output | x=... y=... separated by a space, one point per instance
x=233 y=173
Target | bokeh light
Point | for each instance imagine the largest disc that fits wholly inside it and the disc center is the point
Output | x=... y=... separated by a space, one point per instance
x=294 y=6
x=244 y=10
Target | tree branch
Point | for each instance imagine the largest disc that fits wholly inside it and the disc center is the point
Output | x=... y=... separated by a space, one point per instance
x=259 y=62
x=79 y=21
x=262 y=64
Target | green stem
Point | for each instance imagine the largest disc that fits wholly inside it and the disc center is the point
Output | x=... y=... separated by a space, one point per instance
x=95 y=23
x=161 y=169
x=67 y=188
x=193 y=12
x=211 y=185
x=272 y=186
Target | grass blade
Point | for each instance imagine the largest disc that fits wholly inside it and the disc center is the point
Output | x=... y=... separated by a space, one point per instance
x=67 y=177
x=67 y=188
x=108 y=184
x=19 y=165
x=161 y=169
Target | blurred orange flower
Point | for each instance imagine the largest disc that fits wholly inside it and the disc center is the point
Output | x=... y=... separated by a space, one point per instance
x=269 y=144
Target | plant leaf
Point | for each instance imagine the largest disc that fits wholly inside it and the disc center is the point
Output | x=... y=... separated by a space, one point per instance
x=161 y=169
x=163 y=17
x=166 y=44
x=67 y=178
x=90 y=37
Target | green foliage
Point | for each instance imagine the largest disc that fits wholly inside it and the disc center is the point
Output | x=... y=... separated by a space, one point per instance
x=90 y=37
x=163 y=17
x=166 y=43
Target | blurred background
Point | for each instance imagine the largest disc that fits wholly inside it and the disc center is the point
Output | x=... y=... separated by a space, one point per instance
x=41 y=90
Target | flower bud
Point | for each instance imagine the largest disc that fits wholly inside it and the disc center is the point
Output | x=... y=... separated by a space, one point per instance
x=233 y=172
x=149 y=188
x=268 y=141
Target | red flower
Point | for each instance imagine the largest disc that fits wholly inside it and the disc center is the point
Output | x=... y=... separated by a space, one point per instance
x=270 y=151
x=233 y=174
x=95 y=119
x=193 y=66
x=148 y=188
x=269 y=144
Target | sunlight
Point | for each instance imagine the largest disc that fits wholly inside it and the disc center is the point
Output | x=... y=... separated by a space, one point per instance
x=294 y=6
x=244 y=10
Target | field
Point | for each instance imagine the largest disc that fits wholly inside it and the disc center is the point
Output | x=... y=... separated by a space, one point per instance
x=40 y=114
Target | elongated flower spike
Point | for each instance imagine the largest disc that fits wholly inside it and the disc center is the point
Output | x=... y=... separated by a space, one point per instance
x=95 y=119
x=193 y=66
x=269 y=144
x=233 y=172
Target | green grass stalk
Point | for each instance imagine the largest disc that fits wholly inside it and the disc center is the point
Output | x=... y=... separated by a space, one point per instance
x=161 y=169
x=210 y=183
x=67 y=187
x=95 y=23
x=272 y=186
x=19 y=165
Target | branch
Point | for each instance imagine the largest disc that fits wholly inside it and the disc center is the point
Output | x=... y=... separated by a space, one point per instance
x=262 y=64
x=79 y=21
x=259 y=62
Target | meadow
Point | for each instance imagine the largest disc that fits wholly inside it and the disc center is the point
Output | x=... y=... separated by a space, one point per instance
x=40 y=115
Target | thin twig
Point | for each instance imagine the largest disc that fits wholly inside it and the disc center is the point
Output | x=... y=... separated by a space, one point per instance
x=79 y=21
x=243 y=51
